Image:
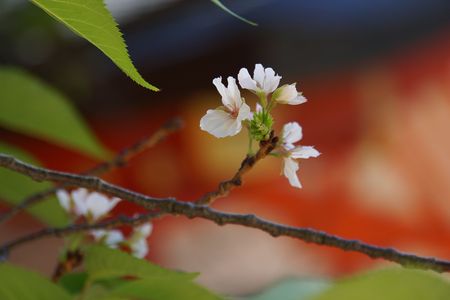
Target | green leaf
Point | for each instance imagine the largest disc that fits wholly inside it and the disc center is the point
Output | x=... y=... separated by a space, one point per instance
x=390 y=284
x=92 y=21
x=219 y=4
x=162 y=288
x=95 y=292
x=29 y=106
x=292 y=289
x=102 y=263
x=14 y=187
x=21 y=284
x=73 y=282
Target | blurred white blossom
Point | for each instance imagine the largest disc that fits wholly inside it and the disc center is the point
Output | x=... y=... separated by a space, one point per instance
x=81 y=202
x=93 y=206
x=112 y=238
x=65 y=200
x=138 y=241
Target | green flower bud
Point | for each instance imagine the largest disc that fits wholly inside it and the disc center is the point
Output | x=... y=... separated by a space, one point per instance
x=261 y=126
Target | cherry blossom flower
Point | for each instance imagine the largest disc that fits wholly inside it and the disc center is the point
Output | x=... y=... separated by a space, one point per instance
x=138 y=241
x=226 y=120
x=112 y=238
x=74 y=202
x=264 y=80
x=291 y=134
x=80 y=202
x=288 y=94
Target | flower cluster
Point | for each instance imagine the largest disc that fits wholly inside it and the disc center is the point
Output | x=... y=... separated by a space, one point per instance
x=94 y=206
x=91 y=205
x=228 y=120
x=136 y=243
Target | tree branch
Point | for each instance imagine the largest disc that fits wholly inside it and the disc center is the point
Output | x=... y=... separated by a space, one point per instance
x=191 y=210
x=74 y=228
x=265 y=147
x=118 y=161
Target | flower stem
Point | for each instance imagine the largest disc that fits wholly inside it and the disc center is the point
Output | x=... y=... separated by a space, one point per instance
x=271 y=105
x=275 y=154
x=262 y=99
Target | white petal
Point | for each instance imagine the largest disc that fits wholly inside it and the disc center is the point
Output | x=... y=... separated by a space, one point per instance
x=79 y=195
x=114 y=201
x=271 y=81
x=220 y=87
x=290 y=168
x=258 y=75
x=144 y=230
x=292 y=133
x=114 y=237
x=99 y=205
x=64 y=199
x=110 y=237
x=231 y=96
x=300 y=99
x=287 y=94
x=140 y=248
x=304 y=152
x=220 y=123
x=79 y=199
x=246 y=81
x=244 y=113
x=234 y=96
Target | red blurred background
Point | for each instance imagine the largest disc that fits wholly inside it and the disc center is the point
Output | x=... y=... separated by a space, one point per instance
x=377 y=80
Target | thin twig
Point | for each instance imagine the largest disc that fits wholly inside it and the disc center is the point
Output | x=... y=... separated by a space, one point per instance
x=247 y=164
x=74 y=228
x=191 y=210
x=118 y=161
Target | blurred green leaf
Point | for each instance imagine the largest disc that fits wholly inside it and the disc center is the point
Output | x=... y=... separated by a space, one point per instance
x=92 y=20
x=29 y=106
x=292 y=289
x=73 y=282
x=96 y=292
x=14 y=187
x=390 y=284
x=102 y=263
x=21 y=284
x=162 y=288
x=226 y=9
